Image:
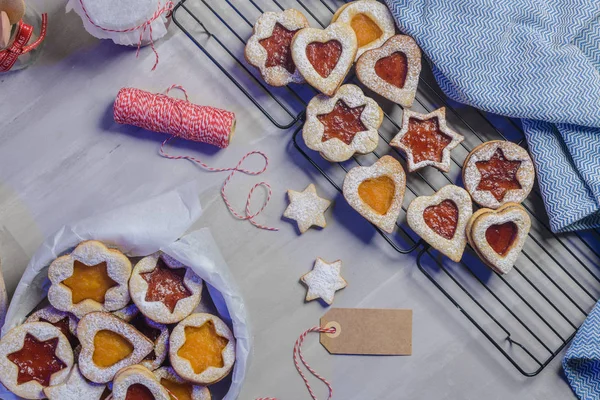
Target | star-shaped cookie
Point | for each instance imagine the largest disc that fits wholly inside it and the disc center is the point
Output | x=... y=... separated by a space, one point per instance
x=307 y=208
x=324 y=280
x=498 y=175
x=76 y=387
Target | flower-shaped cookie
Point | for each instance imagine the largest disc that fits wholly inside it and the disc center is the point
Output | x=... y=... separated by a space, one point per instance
x=138 y=382
x=202 y=349
x=426 y=140
x=392 y=70
x=66 y=322
x=34 y=356
x=179 y=386
x=324 y=57
x=109 y=344
x=76 y=387
x=441 y=219
x=342 y=125
x=91 y=278
x=498 y=172
x=164 y=290
x=269 y=47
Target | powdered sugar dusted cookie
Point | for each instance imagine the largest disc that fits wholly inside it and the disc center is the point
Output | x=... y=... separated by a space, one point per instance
x=137 y=382
x=34 y=356
x=164 y=290
x=324 y=280
x=307 y=208
x=202 y=349
x=109 y=344
x=498 y=172
x=269 y=47
x=76 y=387
x=91 y=278
x=342 y=125
x=426 y=140
x=324 y=57
x=441 y=219
x=179 y=387
x=376 y=192
x=392 y=70
x=66 y=322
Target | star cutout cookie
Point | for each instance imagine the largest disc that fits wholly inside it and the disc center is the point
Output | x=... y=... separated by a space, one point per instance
x=324 y=280
x=498 y=175
x=307 y=208
x=76 y=387
x=45 y=356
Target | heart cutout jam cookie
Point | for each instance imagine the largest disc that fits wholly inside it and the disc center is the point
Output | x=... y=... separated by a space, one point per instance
x=179 y=388
x=202 y=349
x=164 y=290
x=33 y=356
x=269 y=48
x=426 y=140
x=109 y=344
x=376 y=192
x=91 y=278
x=498 y=236
x=342 y=125
x=371 y=21
x=324 y=57
x=441 y=219
x=392 y=70
x=137 y=382
x=498 y=172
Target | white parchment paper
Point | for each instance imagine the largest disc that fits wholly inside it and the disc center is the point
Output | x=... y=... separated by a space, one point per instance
x=139 y=230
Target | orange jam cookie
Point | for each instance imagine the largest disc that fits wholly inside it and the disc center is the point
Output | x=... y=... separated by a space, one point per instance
x=324 y=57
x=179 y=388
x=109 y=344
x=441 y=219
x=202 y=349
x=76 y=387
x=91 y=278
x=426 y=140
x=66 y=322
x=138 y=383
x=33 y=356
x=163 y=289
x=498 y=172
x=269 y=47
x=371 y=21
x=376 y=192
x=342 y=125
x=392 y=70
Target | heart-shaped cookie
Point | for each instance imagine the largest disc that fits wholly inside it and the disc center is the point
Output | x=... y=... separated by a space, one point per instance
x=324 y=57
x=498 y=235
x=138 y=382
x=441 y=219
x=376 y=192
x=392 y=70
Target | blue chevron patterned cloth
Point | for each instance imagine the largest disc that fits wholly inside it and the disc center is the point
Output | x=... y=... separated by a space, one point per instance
x=538 y=60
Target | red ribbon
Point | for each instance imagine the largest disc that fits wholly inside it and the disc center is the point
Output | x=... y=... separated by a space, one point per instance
x=9 y=56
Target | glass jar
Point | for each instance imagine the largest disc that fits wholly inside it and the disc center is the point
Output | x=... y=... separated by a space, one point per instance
x=26 y=41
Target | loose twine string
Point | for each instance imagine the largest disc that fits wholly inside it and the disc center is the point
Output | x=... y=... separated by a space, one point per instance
x=167 y=8
x=298 y=355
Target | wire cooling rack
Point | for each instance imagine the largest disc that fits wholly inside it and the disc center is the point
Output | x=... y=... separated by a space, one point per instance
x=530 y=314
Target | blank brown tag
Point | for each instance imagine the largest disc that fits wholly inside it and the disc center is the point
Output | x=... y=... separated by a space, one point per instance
x=368 y=331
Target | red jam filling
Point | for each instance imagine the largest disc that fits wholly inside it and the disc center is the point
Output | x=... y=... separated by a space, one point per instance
x=166 y=285
x=393 y=69
x=342 y=122
x=425 y=140
x=139 y=392
x=37 y=360
x=324 y=56
x=498 y=175
x=442 y=218
x=63 y=325
x=501 y=237
x=278 y=46
x=140 y=323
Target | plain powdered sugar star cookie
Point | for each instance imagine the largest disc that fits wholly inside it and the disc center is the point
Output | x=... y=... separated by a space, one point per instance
x=307 y=208
x=324 y=280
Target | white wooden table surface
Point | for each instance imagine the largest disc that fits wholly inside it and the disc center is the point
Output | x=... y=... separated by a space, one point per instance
x=62 y=158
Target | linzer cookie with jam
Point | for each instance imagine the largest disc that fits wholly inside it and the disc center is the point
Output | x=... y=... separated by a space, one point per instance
x=342 y=125
x=269 y=47
x=76 y=387
x=426 y=140
x=498 y=172
x=376 y=192
x=371 y=21
x=324 y=57
x=441 y=219
x=179 y=388
x=66 y=322
x=33 y=356
x=137 y=382
x=392 y=70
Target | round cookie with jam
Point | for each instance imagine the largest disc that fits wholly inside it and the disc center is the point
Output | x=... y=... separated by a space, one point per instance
x=66 y=322
x=179 y=387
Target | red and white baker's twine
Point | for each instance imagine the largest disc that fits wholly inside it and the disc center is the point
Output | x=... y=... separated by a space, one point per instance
x=167 y=8
x=298 y=354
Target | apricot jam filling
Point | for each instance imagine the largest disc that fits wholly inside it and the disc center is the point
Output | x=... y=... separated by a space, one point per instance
x=110 y=348
x=425 y=140
x=203 y=347
x=442 y=218
x=378 y=193
x=342 y=122
x=324 y=56
x=178 y=391
x=366 y=29
x=89 y=282
x=501 y=237
x=498 y=175
x=393 y=69
x=278 y=48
